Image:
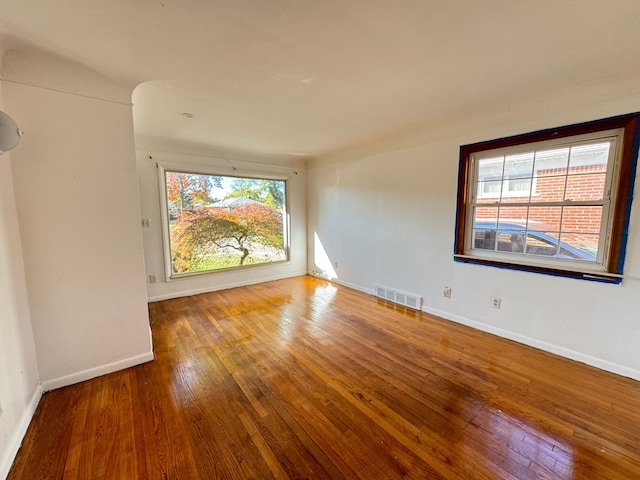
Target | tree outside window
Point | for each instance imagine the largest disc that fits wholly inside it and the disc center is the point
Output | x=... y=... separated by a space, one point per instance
x=220 y=222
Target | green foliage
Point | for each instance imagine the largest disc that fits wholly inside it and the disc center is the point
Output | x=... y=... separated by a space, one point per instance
x=186 y=190
x=219 y=261
x=269 y=192
x=205 y=236
x=204 y=232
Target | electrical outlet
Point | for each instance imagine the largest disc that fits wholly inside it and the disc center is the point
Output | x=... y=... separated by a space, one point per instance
x=319 y=273
x=495 y=302
x=153 y=278
x=146 y=223
x=446 y=292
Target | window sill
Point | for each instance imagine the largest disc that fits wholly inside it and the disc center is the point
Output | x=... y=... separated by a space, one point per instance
x=185 y=275
x=602 y=277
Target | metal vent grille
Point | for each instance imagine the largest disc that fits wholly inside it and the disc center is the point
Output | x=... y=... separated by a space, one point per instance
x=401 y=298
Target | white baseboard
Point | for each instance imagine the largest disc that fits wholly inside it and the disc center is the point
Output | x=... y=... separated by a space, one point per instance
x=96 y=372
x=224 y=286
x=342 y=282
x=369 y=291
x=15 y=441
x=540 y=345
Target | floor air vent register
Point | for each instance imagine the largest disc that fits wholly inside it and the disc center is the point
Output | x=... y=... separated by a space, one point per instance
x=403 y=298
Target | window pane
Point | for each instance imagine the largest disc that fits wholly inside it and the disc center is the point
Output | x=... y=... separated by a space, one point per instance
x=551 y=162
x=484 y=239
x=518 y=187
x=512 y=216
x=519 y=165
x=579 y=246
x=485 y=220
x=581 y=230
x=218 y=222
x=490 y=189
x=490 y=167
x=511 y=241
x=585 y=187
x=542 y=243
x=594 y=156
x=519 y=184
x=549 y=189
x=544 y=218
x=581 y=220
x=510 y=176
x=485 y=217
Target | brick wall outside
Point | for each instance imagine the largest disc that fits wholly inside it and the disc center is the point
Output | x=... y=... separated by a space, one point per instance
x=582 y=183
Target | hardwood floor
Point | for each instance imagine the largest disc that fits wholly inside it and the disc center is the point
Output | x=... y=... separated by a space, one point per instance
x=302 y=379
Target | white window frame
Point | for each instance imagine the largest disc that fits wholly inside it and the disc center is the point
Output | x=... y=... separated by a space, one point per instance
x=612 y=137
x=200 y=169
x=624 y=135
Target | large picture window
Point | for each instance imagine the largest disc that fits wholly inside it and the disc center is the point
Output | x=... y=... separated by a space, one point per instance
x=216 y=222
x=555 y=201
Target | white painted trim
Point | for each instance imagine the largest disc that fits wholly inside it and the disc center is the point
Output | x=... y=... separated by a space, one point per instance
x=96 y=372
x=224 y=286
x=369 y=291
x=540 y=345
x=201 y=164
x=343 y=283
x=15 y=441
x=164 y=166
x=164 y=221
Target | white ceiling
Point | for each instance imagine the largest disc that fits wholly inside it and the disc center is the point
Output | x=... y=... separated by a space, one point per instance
x=303 y=77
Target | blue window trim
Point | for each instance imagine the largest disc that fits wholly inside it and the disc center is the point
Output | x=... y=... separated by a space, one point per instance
x=630 y=123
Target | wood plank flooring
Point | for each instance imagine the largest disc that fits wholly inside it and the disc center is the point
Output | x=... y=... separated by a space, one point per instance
x=301 y=379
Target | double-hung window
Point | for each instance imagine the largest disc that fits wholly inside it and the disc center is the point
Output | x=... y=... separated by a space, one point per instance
x=555 y=201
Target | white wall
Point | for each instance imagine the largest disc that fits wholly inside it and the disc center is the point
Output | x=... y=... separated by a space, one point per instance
x=385 y=213
x=153 y=247
x=19 y=382
x=76 y=193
